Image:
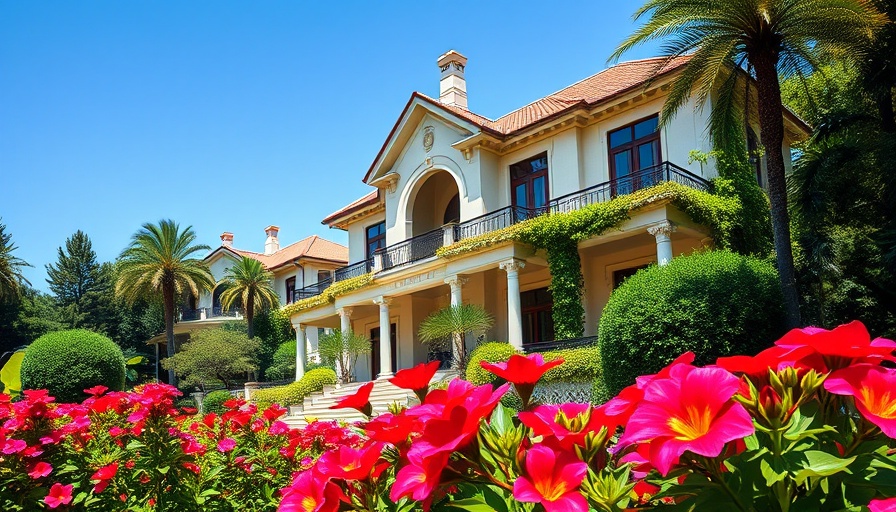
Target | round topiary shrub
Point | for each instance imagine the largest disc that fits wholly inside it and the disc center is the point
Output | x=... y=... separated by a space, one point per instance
x=67 y=362
x=713 y=304
x=214 y=401
x=493 y=352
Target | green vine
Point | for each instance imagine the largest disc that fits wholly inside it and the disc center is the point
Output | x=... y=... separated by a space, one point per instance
x=329 y=294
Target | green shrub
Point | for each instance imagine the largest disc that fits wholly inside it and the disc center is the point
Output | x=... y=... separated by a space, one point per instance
x=68 y=362
x=714 y=304
x=493 y=352
x=214 y=401
x=312 y=382
x=580 y=364
x=284 y=362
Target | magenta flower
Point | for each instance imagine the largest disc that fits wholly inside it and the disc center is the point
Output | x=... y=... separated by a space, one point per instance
x=874 y=390
x=523 y=371
x=884 y=505
x=40 y=470
x=552 y=479
x=691 y=410
x=227 y=444
x=59 y=495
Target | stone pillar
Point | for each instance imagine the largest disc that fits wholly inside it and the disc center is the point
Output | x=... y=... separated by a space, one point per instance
x=456 y=283
x=448 y=234
x=301 y=350
x=385 y=338
x=514 y=308
x=345 y=327
x=663 y=234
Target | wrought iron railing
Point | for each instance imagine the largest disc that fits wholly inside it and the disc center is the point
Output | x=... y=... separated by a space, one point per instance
x=354 y=270
x=187 y=315
x=424 y=246
x=644 y=178
x=232 y=312
x=533 y=348
x=313 y=289
x=413 y=249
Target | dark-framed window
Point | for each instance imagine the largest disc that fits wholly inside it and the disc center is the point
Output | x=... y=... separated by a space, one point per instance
x=754 y=154
x=634 y=151
x=538 y=324
x=529 y=183
x=376 y=238
x=290 y=290
x=619 y=276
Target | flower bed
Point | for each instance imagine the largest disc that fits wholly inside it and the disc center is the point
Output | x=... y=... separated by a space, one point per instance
x=808 y=424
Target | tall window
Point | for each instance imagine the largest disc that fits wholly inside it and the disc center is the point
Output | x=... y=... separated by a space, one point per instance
x=290 y=290
x=538 y=324
x=376 y=238
x=619 y=276
x=634 y=150
x=529 y=183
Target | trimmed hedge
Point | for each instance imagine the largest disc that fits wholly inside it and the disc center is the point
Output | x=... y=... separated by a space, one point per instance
x=493 y=352
x=714 y=304
x=284 y=362
x=214 y=401
x=312 y=382
x=67 y=362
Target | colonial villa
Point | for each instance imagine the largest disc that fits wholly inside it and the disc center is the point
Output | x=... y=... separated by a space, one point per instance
x=445 y=174
x=310 y=260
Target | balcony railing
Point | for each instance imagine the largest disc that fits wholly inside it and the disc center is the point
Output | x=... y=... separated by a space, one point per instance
x=537 y=348
x=217 y=311
x=413 y=249
x=424 y=246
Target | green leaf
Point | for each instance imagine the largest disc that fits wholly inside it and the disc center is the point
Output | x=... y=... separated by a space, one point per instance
x=773 y=470
x=471 y=505
x=814 y=463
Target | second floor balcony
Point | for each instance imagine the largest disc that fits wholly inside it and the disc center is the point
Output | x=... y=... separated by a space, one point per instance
x=424 y=246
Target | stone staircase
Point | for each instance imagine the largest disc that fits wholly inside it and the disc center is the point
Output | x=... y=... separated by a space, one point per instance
x=317 y=405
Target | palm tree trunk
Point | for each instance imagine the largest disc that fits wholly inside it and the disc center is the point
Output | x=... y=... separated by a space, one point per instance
x=771 y=125
x=250 y=315
x=168 y=299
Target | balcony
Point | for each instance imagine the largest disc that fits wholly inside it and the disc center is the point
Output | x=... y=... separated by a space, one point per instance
x=188 y=315
x=424 y=246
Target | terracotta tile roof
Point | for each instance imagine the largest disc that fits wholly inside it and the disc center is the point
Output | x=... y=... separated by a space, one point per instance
x=592 y=90
x=312 y=247
x=370 y=199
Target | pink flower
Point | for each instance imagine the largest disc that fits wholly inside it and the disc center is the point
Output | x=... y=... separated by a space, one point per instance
x=569 y=423
x=842 y=345
x=419 y=478
x=882 y=505
x=874 y=390
x=227 y=444
x=691 y=410
x=14 y=446
x=59 y=495
x=102 y=477
x=552 y=479
x=310 y=492
x=40 y=470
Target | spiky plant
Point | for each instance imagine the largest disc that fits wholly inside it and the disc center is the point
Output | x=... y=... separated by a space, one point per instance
x=452 y=324
x=252 y=285
x=767 y=39
x=342 y=349
x=160 y=261
x=11 y=278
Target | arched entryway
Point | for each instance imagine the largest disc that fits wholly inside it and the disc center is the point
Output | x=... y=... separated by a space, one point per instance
x=436 y=203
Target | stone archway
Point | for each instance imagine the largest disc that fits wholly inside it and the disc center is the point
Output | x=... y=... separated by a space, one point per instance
x=436 y=200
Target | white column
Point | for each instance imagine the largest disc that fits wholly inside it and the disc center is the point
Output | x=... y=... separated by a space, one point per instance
x=663 y=234
x=345 y=327
x=456 y=283
x=514 y=309
x=385 y=338
x=301 y=350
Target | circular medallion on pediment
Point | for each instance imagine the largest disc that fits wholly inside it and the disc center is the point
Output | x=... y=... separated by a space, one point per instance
x=429 y=138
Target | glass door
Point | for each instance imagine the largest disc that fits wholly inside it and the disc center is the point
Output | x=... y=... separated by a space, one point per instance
x=635 y=156
x=529 y=186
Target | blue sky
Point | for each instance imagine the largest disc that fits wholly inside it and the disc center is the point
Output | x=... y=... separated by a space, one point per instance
x=230 y=116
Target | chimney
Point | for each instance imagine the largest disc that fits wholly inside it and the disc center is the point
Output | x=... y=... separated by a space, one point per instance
x=227 y=239
x=271 y=244
x=452 y=84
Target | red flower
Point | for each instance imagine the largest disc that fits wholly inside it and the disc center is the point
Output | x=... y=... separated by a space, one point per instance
x=419 y=478
x=842 y=345
x=392 y=429
x=552 y=479
x=96 y=390
x=874 y=389
x=523 y=371
x=691 y=410
x=621 y=407
x=103 y=475
x=416 y=378
x=349 y=463
x=273 y=412
x=59 y=495
x=40 y=470
x=569 y=423
x=775 y=358
x=360 y=400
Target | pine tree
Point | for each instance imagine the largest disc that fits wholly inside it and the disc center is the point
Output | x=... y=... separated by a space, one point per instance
x=83 y=287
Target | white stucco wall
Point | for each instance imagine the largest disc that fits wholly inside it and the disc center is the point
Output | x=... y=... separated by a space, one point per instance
x=357 y=237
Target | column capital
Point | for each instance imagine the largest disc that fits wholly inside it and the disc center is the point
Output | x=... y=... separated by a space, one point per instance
x=512 y=265
x=344 y=312
x=457 y=280
x=382 y=300
x=663 y=228
x=299 y=326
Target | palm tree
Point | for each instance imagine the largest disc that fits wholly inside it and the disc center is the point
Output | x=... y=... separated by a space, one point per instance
x=453 y=323
x=159 y=261
x=249 y=282
x=767 y=39
x=11 y=278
